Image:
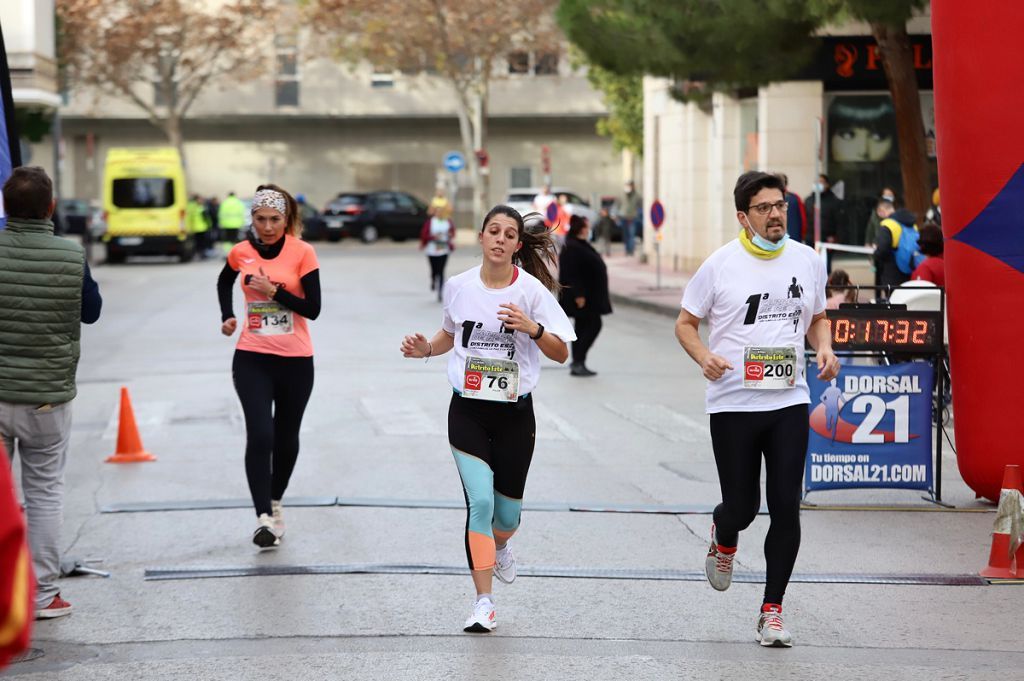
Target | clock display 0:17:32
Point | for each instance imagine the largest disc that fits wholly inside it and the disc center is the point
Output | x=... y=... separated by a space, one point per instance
x=853 y=330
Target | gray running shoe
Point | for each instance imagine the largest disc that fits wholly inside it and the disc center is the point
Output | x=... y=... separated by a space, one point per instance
x=278 y=515
x=505 y=565
x=771 y=633
x=718 y=564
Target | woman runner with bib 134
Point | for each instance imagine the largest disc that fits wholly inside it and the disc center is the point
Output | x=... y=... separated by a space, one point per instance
x=498 y=318
x=273 y=364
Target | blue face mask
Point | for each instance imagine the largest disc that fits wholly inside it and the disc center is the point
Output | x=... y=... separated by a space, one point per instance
x=766 y=245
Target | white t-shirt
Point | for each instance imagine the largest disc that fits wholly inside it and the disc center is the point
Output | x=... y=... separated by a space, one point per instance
x=749 y=301
x=471 y=315
x=439 y=237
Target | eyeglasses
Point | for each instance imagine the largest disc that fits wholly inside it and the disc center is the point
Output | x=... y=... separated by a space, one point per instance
x=766 y=208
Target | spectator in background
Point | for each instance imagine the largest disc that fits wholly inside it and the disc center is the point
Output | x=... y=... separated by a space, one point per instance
x=603 y=228
x=885 y=207
x=212 y=208
x=835 y=294
x=39 y=350
x=831 y=211
x=630 y=217
x=933 y=268
x=437 y=240
x=889 y=235
x=796 y=214
x=934 y=213
x=542 y=200
x=197 y=225
x=232 y=218
x=439 y=204
x=584 y=295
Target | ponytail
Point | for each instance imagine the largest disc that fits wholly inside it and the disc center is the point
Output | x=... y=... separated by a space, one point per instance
x=538 y=248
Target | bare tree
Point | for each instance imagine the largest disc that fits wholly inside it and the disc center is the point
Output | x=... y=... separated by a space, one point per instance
x=161 y=54
x=465 y=41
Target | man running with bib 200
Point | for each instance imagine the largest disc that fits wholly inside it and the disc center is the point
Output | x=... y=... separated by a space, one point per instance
x=761 y=294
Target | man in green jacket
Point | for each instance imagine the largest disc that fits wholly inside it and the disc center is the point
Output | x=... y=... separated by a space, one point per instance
x=231 y=216
x=46 y=293
x=197 y=224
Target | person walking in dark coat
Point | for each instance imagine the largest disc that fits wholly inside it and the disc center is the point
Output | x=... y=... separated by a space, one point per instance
x=584 y=296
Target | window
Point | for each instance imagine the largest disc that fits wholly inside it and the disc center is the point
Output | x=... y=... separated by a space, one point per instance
x=519 y=62
x=164 y=95
x=385 y=202
x=143 y=192
x=286 y=69
x=165 y=84
x=382 y=77
x=520 y=177
x=405 y=203
x=546 y=64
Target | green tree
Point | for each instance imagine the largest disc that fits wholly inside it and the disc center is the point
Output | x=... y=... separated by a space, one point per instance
x=624 y=97
x=723 y=45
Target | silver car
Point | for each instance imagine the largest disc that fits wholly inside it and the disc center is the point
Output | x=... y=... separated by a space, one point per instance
x=522 y=200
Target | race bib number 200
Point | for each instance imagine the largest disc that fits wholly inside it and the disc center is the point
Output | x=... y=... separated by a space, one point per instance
x=496 y=380
x=268 y=318
x=769 y=368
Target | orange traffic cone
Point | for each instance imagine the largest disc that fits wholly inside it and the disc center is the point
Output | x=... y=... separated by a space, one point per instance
x=129 y=444
x=1002 y=563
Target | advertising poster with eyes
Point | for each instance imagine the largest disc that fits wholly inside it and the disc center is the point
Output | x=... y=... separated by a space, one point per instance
x=871 y=427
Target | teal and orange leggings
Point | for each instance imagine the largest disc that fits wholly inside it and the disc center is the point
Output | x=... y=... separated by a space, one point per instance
x=493 y=445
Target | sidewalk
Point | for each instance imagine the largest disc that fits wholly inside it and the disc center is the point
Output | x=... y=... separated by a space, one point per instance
x=633 y=283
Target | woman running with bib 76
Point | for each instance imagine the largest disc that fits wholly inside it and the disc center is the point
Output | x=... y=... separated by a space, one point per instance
x=498 y=319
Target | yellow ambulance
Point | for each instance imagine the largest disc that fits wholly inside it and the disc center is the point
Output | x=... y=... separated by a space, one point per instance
x=144 y=203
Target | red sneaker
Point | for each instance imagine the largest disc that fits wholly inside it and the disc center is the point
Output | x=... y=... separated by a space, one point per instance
x=58 y=607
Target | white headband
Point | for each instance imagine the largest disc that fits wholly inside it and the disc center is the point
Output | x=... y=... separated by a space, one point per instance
x=268 y=198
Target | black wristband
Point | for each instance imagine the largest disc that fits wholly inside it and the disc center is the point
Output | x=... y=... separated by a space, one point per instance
x=540 y=331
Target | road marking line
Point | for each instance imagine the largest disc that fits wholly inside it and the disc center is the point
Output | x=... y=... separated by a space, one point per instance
x=663 y=421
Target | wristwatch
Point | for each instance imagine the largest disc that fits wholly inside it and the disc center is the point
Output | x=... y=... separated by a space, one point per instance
x=540 y=332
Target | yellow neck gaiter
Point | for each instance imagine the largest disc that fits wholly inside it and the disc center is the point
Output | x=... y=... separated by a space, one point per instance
x=755 y=250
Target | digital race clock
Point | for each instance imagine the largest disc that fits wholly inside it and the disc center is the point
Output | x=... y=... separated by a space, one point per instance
x=885 y=330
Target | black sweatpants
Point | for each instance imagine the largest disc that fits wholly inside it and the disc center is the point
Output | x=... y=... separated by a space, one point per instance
x=437 y=263
x=274 y=391
x=587 y=328
x=739 y=440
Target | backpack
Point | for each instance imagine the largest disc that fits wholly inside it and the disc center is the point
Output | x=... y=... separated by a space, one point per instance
x=904 y=243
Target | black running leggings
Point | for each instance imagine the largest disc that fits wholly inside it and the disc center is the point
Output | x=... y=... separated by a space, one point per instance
x=437 y=263
x=739 y=439
x=493 y=445
x=274 y=391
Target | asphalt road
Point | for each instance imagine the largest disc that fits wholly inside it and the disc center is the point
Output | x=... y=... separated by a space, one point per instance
x=620 y=595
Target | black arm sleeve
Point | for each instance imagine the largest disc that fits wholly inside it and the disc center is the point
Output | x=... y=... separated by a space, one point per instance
x=92 y=303
x=225 y=281
x=308 y=307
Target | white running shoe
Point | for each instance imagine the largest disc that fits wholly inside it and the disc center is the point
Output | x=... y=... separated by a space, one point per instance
x=278 y=516
x=505 y=565
x=264 y=536
x=483 y=620
x=770 y=630
x=718 y=564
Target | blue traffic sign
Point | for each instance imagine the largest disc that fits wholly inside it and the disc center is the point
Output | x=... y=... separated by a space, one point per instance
x=552 y=211
x=657 y=214
x=454 y=161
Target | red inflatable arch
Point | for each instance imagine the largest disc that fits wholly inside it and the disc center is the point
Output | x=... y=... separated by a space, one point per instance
x=979 y=100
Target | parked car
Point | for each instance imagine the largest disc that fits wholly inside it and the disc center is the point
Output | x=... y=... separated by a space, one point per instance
x=372 y=215
x=522 y=200
x=73 y=216
x=313 y=226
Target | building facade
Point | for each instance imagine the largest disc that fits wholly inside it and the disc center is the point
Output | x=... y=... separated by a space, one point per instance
x=838 y=119
x=318 y=128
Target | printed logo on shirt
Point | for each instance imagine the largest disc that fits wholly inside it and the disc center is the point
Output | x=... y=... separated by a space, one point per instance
x=474 y=379
x=754 y=371
x=761 y=307
x=476 y=337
